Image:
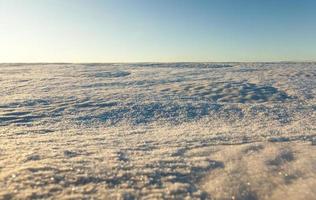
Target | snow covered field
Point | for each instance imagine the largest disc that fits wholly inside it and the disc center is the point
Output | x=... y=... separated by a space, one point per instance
x=158 y=131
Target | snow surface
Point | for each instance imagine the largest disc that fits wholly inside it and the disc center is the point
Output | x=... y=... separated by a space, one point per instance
x=158 y=131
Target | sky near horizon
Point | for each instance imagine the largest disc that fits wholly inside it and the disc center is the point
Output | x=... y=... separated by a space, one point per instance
x=157 y=30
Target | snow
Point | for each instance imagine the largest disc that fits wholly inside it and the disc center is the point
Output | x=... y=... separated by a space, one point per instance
x=158 y=131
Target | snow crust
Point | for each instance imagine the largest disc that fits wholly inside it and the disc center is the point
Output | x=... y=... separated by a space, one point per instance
x=158 y=131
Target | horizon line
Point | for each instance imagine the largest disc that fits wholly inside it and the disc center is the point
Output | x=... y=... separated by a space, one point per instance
x=162 y=62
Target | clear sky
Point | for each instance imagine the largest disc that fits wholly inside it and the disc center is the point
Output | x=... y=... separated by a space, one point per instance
x=157 y=30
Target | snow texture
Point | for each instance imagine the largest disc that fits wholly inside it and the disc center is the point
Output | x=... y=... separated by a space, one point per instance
x=158 y=131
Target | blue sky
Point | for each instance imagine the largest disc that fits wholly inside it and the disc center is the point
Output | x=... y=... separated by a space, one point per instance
x=157 y=30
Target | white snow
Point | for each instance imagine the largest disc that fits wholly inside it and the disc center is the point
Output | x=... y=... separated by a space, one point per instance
x=158 y=131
